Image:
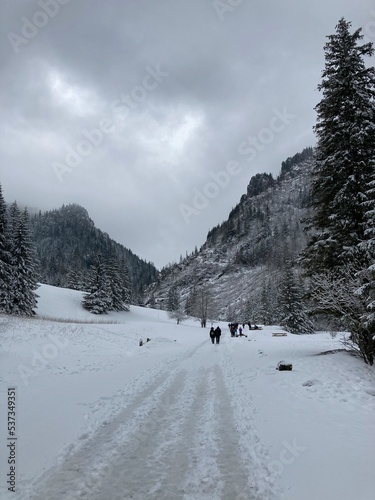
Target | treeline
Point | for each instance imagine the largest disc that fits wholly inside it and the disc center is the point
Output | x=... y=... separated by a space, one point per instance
x=18 y=261
x=64 y=248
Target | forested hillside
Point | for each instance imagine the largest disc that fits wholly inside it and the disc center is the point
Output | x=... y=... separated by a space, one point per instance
x=68 y=243
x=241 y=265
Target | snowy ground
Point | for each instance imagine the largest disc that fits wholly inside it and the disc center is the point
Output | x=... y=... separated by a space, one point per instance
x=99 y=417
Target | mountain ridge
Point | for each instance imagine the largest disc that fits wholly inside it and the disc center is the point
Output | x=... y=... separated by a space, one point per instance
x=249 y=250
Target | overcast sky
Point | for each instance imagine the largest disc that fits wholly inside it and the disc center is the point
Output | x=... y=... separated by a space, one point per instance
x=154 y=114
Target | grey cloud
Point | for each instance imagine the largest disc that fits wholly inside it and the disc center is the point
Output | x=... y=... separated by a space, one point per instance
x=225 y=77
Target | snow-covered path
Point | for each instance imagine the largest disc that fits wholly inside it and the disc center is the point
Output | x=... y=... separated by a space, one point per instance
x=175 y=438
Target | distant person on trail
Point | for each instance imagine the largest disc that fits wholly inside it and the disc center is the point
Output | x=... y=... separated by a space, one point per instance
x=217 y=334
x=212 y=334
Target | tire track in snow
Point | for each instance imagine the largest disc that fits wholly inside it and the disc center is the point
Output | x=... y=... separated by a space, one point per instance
x=261 y=484
x=187 y=435
x=160 y=463
x=151 y=468
x=196 y=440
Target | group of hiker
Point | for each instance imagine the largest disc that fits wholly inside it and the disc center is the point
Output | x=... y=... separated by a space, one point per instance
x=236 y=330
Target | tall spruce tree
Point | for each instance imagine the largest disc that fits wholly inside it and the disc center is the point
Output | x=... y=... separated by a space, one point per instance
x=73 y=279
x=345 y=153
x=342 y=189
x=126 y=284
x=266 y=307
x=24 y=264
x=5 y=257
x=14 y=217
x=116 y=284
x=292 y=307
x=98 y=299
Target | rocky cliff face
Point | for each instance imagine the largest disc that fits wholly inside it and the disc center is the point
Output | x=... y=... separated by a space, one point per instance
x=244 y=257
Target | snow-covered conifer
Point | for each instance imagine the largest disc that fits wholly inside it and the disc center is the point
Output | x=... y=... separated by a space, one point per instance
x=292 y=307
x=5 y=268
x=345 y=152
x=98 y=299
x=73 y=279
x=126 y=284
x=116 y=284
x=24 y=264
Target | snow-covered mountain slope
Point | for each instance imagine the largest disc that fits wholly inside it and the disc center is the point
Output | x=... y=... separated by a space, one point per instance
x=98 y=416
x=245 y=255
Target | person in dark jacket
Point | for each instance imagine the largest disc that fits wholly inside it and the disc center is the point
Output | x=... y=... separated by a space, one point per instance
x=217 y=334
x=212 y=334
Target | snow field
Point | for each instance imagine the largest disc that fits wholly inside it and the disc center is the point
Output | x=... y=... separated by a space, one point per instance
x=179 y=418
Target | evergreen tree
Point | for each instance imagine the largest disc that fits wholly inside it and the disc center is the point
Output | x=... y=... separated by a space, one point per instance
x=265 y=302
x=14 y=218
x=116 y=285
x=263 y=310
x=126 y=285
x=342 y=187
x=73 y=279
x=173 y=299
x=174 y=306
x=294 y=317
x=98 y=299
x=366 y=278
x=5 y=257
x=23 y=263
x=345 y=152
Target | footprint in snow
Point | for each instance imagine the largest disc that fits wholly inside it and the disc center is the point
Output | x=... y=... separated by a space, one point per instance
x=310 y=383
